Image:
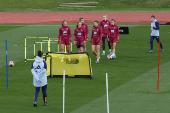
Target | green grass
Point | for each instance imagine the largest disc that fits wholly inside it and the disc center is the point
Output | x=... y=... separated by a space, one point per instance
x=132 y=75
x=102 y=6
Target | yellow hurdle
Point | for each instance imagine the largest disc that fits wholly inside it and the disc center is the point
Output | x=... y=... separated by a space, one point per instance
x=34 y=45
x=49 y=42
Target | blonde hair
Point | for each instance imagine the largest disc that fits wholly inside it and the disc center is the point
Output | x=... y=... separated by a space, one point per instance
x=105 y=16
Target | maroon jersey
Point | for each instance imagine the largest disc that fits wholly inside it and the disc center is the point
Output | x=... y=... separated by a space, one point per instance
x=105 y=26
x=85 y=27
x=64 y=33
x=96 y=33
x=79 y=34
x=113 y=31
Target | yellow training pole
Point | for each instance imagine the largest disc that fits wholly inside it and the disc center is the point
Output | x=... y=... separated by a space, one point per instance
x=34 y=50
x=71 y=47
x=65 y=48
x=49 y=45
x=58 y=47
x=41 y=45
x=25 y=49
x=37 y=37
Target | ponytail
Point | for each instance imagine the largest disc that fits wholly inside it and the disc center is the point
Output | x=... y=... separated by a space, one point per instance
x=40 y=53
x=63 y=22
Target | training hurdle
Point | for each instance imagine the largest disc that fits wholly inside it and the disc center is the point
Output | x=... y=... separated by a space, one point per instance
x=26 y=44
x=54 y=40
x=41 y=46
x=46 y=40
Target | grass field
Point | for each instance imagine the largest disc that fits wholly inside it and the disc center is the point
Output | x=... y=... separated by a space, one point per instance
x=132 y=75
x=102 y=6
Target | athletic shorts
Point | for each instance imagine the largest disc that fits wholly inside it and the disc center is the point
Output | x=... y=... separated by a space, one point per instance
x=66 y=42
x=112 y=40
x=78 y=46
x=80 y=42
x=104 y=34
x=96 y=41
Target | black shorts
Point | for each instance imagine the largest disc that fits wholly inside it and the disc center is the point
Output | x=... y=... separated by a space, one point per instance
x=78 y=46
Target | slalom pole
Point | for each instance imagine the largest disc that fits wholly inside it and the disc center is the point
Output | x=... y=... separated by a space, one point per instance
x=63 y=91
x=158 y=66
x=107 y=93
x=6 y=63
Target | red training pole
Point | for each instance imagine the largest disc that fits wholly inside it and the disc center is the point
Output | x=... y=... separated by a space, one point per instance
x=158 y=67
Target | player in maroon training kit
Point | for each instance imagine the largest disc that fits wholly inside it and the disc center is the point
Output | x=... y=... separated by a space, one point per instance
x=113 y=36
x=96 y=39
x=79 y=37
x=104 y=24
x=66 y=38
x=85 y=27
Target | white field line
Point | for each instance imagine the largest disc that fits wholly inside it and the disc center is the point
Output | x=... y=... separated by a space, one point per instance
x=75 y=6
x=82 y=3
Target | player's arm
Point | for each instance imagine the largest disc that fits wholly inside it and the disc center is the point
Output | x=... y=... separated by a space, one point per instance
x=70 y=34
x=33 y=73
x=59 y=36
x=43 y=70
x=100 y=32
x=87 y=30
x=117 y=34
x=91 y=37
x=85 y=37
x=74 y=36
x=108 y=34
x=157 y=26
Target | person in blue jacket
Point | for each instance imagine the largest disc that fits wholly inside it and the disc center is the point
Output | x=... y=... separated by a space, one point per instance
x=154 y=33
x=38 y=70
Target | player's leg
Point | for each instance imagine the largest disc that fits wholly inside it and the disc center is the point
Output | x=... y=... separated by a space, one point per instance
x=68 y=46
x=84 y=48
x=109 y=46
x=78 y=47
x=103 y=45
x=81 y=48
x=37 y=90
x=93 y=49
x=151 y=44
x=44 y=88
x=157 y=39
x=113 y=49
x=62 y=48
x=98 y=53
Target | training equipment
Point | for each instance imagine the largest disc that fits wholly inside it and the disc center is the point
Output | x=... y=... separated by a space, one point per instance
x=107 y=93
x=6 y=62
x=158 y=67
x=63 y=91
x=11 y=63
x=109 y=56
x=34 y=45
x=76 y=64
x=46 y=40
